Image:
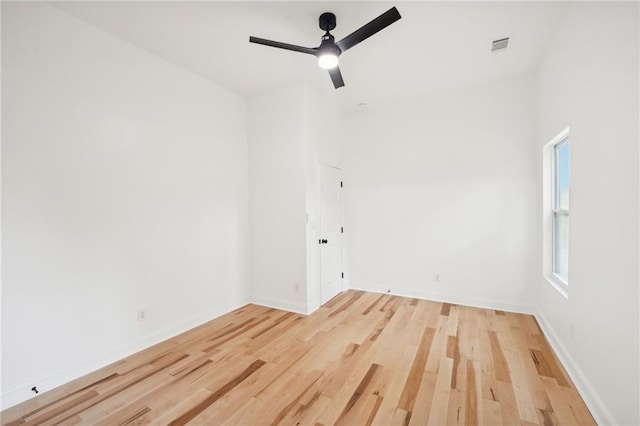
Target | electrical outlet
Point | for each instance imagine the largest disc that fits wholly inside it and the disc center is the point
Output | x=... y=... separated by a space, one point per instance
x=142 y=315
x=436 y=277
x=297 y=286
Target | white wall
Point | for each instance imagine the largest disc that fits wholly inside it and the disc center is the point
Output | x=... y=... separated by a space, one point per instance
x=589 y=81
x=445 y=185
x=288 y=136
x=277 y=150
x=325 y=140
x=124 y=187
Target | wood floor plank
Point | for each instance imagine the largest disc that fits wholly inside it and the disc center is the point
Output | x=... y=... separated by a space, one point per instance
x=524 y=401
x=422 y=410
x=442 y=392
x=560 y=406
x=400 y=418
x=282 y=405
x=491 y=413
x=306 y=406
x=127 y=416
x=452 y=322
x=508 y=405
x=230 y=403
x=438 y=345
x=363 y=358
x=487 y=376
x=373 y=305
x=577 y=406
x=473 y=394
x=363 y=405
x=548 y=366
x=348 y=393
x=204 y=404
x=499 y=361
x=395 y=382
x=468 y=334
x=390 y=334
x=248 y=414
x=456 y=412
x=410 y=392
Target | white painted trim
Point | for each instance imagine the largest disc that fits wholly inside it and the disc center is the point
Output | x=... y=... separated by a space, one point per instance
x=22 y=392
x=564 y=134
x=598 y=409
x=558 y=284
x=447 y=298
x=279 y=304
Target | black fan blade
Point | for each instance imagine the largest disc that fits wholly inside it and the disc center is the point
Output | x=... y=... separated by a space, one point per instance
x=287 y=46
x=366 y=31
x=336 y=77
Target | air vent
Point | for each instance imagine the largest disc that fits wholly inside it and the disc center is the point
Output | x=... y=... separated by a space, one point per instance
x=498 y=45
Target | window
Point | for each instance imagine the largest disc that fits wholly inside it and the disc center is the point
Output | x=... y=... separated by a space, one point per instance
x=556 y=210
x=561 y=210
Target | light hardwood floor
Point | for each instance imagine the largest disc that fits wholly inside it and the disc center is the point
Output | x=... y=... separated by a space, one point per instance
x=361 y=359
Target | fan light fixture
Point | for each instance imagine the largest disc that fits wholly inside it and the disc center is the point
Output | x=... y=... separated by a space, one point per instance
x=329 y=50
x=328 y=61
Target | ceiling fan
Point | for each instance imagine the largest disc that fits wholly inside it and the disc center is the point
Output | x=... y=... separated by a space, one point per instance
x=329 y=50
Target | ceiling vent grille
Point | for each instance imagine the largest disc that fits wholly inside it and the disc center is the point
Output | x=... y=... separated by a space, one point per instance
x=498 y=45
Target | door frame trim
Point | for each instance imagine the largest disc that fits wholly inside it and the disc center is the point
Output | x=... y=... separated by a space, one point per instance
x=341 y=208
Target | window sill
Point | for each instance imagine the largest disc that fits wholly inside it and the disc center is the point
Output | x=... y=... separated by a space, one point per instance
x=558 y=285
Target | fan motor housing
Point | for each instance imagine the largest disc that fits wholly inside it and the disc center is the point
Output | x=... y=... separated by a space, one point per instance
x=327 y=21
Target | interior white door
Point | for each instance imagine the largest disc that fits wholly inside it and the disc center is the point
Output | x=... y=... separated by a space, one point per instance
x=330 y=231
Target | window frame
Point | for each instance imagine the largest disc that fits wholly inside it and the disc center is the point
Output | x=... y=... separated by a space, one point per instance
x=551 y=209
x=556 y=210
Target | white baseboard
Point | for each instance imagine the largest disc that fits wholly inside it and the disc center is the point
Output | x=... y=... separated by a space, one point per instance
x=22 y=392
x=598 y=409
x=445 y=298
x=279 y=304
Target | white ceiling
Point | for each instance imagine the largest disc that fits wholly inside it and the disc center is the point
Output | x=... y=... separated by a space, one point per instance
x=436 y=46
